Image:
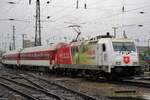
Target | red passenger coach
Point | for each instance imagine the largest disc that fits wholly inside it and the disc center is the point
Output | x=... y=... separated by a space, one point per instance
x=41 y=56
x=11 y=58
x=37 y=56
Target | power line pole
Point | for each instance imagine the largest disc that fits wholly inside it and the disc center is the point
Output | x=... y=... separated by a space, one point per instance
x=14 y=37
x=114 y=28
x=23 y=36
x=37 y=24
x=77 y=5
x=10 y=47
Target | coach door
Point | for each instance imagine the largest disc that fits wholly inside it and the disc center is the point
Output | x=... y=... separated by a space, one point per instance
x=104 y=54
x=50 y=57
x=18 y=59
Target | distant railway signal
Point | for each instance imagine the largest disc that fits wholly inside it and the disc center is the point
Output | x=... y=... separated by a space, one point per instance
x=141 y=12
x=29 y=1
x=140 y=25
x=11 y=2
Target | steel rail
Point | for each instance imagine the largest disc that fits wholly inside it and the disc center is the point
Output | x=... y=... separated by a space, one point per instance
x=136 y=83
x=77 y=93
x=129 y=82
x=19 y=92
x=34 y=88
x=85 y=96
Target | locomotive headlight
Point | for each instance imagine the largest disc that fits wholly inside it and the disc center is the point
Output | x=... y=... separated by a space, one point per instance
x=118 y=62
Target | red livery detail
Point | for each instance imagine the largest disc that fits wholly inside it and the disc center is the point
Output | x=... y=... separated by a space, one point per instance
x=126 y=59
x=39 y=55
x=12 y=56
x=63 y=54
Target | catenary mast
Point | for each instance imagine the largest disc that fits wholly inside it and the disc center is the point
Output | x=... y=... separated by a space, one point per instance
x=37 y=24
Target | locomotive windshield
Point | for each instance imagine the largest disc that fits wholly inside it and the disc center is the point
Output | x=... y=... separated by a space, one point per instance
x=123 y=46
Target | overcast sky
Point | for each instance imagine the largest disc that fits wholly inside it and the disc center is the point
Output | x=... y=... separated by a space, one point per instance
x=99 y=18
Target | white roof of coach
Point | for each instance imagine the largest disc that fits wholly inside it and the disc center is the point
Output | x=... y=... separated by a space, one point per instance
x=12 y=52
x=38 y=48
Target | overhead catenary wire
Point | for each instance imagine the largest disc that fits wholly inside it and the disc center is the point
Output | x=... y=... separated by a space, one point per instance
x=68 y=13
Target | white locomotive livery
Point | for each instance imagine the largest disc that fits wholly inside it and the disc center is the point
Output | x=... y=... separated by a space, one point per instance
x=101 y=56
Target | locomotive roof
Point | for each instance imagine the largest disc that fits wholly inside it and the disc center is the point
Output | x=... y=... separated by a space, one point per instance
x=94 y=41
x=122 y=40
x=115 y=40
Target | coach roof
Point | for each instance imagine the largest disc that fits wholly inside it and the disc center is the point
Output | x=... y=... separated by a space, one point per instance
x=38 y=48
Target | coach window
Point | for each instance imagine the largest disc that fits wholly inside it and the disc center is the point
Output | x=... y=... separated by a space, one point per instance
x=103 y=47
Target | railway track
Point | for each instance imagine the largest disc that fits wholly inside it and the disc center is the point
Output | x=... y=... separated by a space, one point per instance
x=17 y=91
x=57 y=89
x=133 y=82
x=138 y=83
x=68 y=94
x=27 y=91
x=51 y=87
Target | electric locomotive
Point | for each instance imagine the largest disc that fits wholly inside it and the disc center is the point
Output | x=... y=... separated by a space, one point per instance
x=107 y=56
x=102 y=56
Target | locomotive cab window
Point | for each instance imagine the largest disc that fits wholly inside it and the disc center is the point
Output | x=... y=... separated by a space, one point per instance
x=103 y=47
x=124 y=46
